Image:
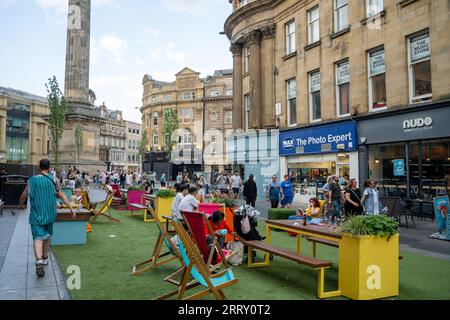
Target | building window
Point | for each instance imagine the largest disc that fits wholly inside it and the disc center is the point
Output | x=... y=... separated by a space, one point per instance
x=377 y=80
x=340 y=15
x=373 y=7
x=291 y=86
x=314 y=96
x=229 y=92
x=419 y=68
x=247 y=109
x=137 y=131
x=229 y=117
x=343 y=88
x=187 y=137
x=155 y=118
x=313 y=25
x=188 y=95
x=246 y=59
x=215 y=93
x=290 y=37
x=242 y=3
x=167 y=97
x=129 y=144
x=186 y=116
x=155 y=137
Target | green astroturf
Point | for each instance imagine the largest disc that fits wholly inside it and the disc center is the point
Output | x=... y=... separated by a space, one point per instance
x=105 y=263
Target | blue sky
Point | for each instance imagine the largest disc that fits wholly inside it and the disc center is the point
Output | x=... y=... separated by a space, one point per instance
x=129 y=38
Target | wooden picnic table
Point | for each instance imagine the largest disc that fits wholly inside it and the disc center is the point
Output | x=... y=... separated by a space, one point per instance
x=295 y=226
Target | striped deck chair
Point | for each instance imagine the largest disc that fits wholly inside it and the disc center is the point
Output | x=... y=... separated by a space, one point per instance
x=197 y=269
x=103 y=210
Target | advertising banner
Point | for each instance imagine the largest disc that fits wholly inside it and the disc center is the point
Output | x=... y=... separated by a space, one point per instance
x=441 y=206
x=399 y=167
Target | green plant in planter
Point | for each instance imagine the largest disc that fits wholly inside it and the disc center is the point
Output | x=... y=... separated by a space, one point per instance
x=228 y=202
x=371 y=225
x=136 y=188
x=166 y=193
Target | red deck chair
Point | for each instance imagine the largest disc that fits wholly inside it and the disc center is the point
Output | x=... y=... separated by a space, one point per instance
x=196 y=223
x=117 y=197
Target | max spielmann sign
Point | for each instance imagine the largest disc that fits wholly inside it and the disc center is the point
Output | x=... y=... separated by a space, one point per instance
x=330 y=138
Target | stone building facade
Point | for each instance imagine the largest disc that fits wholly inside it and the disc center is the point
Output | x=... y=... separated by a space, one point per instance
x=200 y=104
x=24 y=135
x=133 y=141
x=307 y=63
x=112 y=138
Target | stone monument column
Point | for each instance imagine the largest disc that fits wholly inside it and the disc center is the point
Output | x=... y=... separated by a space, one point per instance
x=236 y=50
x=254 y=39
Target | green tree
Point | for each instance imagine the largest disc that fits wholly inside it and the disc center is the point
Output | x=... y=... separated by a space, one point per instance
x=143 y=147
x=57 y=118
x=170 y=124
x=78 y=140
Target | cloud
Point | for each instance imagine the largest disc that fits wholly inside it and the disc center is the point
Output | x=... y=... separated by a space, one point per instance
x=139 y=61
x=156 y=54
x=173 y=55
x=109 y=46
x=152 y=33
x=195 y=7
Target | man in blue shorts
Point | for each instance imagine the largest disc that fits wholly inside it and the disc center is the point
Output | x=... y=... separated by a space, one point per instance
x=43 y=190
x=287 y=193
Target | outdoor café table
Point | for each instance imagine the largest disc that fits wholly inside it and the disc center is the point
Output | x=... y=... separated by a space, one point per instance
x=316 y=231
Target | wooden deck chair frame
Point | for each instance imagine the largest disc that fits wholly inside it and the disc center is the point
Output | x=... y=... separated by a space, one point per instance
x=105 y=208
x=215 y=245
x=196 y=260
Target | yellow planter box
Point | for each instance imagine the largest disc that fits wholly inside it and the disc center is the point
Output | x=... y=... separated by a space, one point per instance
x=163 y=207
x=368 y=267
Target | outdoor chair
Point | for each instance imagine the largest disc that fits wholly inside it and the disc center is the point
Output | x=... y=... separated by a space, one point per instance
x=103 y=210
x=117 y=197
x=197 y=268
x=406 y=209
x=196 y=222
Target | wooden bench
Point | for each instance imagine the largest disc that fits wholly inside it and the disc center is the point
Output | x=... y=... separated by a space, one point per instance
x=318 y=264
x=141 y=207
x=326 y=242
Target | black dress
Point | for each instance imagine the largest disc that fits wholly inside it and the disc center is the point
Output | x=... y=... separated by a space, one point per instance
x=355 y=196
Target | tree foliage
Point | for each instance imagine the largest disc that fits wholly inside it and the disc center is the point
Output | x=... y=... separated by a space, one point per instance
x=143 y=144
x=170 y=124
x=57 y=118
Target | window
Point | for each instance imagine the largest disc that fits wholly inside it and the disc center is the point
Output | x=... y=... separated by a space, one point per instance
x=377 y=80
x=229 y=117
x=246 y=59
x=155 y=118
x=129 y=144
x=314 y=96
x=247 y=108
x=155 y=137
x=213 y=145
x=186 y=116
x=188 y=95
x=215 y=93
x=343 y=88
x=102 y=140
x=242 y=3
x=187 y=137
x=313 y=25
x=419 y=68
x=167 y=97
x=137 y=131
x=291 y=86
x=373 y=7
x=229 y=92
x=134 y=131
x=340 y=15
x=290 y=37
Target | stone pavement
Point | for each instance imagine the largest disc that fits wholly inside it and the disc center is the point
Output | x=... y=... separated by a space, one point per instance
x=18 y=279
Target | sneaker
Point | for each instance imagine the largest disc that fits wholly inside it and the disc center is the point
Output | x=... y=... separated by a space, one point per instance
x=40 y=272
x=45 y=261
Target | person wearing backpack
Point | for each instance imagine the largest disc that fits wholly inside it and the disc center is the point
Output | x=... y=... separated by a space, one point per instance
x=273 y=193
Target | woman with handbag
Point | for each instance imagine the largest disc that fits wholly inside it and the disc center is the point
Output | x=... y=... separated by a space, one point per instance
x=353 y=206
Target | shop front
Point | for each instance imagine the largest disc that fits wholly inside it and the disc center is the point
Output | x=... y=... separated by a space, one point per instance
x=311 y=154
x=407 y=152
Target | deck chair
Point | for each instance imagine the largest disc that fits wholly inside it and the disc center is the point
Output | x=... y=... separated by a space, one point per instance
x=164 y=237
x=197 y=268
x=102 y=211
x=196 y=224
x=87 y=204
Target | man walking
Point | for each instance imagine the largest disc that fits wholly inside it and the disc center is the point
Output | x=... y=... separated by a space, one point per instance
x=273 y=193
x=287 y=193
x=236 y=184
x=222 y=182
x=335 y=198
x=42 y=190
x=250 y=191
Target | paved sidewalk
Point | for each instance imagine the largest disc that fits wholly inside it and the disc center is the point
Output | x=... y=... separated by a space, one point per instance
x=18 y=279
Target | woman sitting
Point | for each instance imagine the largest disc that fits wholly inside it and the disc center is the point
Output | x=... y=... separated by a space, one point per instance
x=313 y=211
x=220 y=229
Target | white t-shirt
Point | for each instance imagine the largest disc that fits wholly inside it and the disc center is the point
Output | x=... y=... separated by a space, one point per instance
x=189 y=203
x=176 y=205
x=235 y=182
x=376 y=207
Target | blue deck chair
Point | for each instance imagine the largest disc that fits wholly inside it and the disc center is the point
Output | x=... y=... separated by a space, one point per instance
x=197 y=268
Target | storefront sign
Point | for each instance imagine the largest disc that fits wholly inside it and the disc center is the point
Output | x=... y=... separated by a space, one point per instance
x=329 y=138
x=377 y=65
x=399 y=167
x=409 y=126
x=420 y=47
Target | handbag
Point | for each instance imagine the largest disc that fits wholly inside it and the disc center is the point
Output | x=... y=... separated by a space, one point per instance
x=245 y=225
x=238 y=257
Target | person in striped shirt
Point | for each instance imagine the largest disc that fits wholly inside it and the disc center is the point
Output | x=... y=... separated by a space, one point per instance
x=42 y=189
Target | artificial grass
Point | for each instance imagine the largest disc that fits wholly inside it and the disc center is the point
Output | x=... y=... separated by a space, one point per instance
x=105 y=263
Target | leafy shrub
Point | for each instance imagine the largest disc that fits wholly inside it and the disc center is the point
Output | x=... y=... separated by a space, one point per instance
x=166 y=193
x=136 y=188
x=371 y=225
x=280 y=214
x=227 y=201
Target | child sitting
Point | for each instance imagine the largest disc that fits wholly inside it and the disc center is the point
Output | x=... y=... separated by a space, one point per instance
x=220 y=229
